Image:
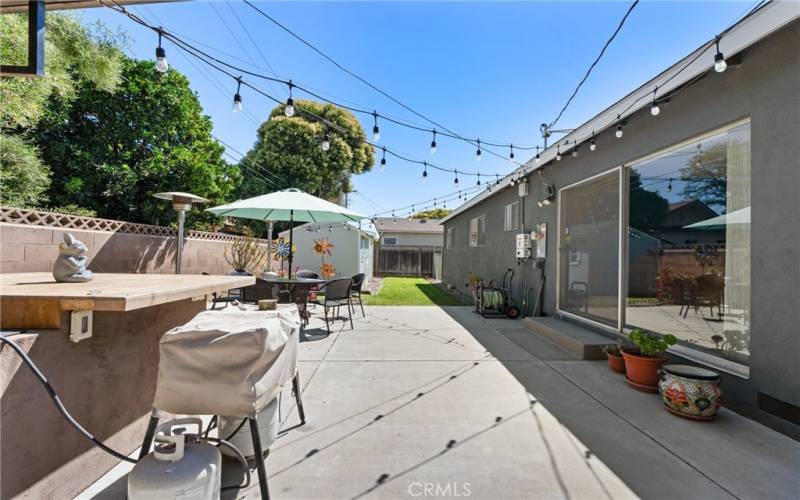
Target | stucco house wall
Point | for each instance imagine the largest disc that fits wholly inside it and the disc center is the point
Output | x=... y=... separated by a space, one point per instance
x=414 y=239
x=765 y=89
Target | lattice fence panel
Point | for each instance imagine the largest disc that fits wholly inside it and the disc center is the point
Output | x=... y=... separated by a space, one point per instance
x=66 y=221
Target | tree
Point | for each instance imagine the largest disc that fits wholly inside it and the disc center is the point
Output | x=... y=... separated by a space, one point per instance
x=289 y=150
x=111 y=150
x=706 y=176
x=23 y=176
x=648 y=209
x=433 y=213
x=74 y=56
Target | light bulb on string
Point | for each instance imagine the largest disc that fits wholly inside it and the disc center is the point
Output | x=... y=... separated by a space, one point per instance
x=669 y=186
x=618 y=132
x=376 y=132
x=654 y=107
x=592 y=143
x=558 y=152
x=237 y=98
x=162 y=66
x=326 y=142
x=497 y=179
x=455 y=181
x=424 y=171
x=289 y=109
x=478 y=152
x=511 y=153
x=433 y=143
x=575 y=150
x=479 y=179
x=538 y=159
x=434 y=203
x=719 y=60
x=383 y=160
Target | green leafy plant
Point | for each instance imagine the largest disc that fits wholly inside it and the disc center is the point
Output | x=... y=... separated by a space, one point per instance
x=651 y=345
x=615 y=349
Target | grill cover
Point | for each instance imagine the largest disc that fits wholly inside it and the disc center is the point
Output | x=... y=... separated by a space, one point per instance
x=228 y=362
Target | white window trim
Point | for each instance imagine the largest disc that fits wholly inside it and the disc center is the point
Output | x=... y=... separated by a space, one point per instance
x=505 y=217
x=477 y=231
x=383 y=240
x=449 y=237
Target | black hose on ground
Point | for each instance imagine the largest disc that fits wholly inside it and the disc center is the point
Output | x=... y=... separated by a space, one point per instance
x=59 y=405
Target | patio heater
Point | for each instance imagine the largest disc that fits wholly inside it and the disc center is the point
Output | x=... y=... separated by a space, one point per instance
x=181 y=203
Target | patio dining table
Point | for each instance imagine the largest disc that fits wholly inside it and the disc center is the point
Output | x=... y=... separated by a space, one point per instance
x=270 y=287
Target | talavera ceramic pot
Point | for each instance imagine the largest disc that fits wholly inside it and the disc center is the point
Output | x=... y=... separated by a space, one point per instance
x=690 y=391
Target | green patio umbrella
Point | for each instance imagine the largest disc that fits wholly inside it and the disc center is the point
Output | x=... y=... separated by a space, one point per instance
x=741 y=216
x=290 y=205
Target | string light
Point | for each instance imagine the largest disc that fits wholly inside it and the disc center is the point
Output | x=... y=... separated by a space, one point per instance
x=575 y=150
x=592 y=143
x=383 y=159
x=376 y=132
x=654 y=108
x=479 y=179
x=497 y=181
x=326 y=142
x=558 y=152
x=237 y=98
x=719 y=60
x=289 y=109
x=455 y=181
x=538 y=159
x=478 y=152
x=669 y=186
x=162 y=66
x=424 y=171
x=511 y=154
x=433 y=143
x=618 y=132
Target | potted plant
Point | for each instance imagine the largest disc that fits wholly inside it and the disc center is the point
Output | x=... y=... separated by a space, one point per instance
x=642 y=363
x=245 y=255
x=614 y=354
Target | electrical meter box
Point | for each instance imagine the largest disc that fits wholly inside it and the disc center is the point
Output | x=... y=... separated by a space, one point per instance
x=523 y=246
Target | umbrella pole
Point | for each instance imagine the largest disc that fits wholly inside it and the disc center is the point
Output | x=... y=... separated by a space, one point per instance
x=269 y=248
x=291 y=235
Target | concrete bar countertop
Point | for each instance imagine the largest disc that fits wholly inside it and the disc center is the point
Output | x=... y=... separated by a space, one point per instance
x=35 y=300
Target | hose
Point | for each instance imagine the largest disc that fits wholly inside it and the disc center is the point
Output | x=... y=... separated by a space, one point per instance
x=59 y=405
x=239 y=456
x=63 y=410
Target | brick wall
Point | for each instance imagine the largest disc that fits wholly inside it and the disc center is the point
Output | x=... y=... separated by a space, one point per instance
x=30 y=248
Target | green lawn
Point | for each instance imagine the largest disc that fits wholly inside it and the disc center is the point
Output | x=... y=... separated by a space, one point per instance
x=410 y=292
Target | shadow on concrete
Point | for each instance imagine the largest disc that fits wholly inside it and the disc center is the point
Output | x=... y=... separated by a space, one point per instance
x=437 y=296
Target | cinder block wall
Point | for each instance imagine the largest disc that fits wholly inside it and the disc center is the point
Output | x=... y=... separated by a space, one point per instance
x=29 y=248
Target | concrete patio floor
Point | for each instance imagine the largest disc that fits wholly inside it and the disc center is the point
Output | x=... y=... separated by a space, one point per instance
x=421 y=402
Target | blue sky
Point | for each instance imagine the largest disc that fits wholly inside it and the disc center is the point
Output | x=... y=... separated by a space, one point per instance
x=492 y=70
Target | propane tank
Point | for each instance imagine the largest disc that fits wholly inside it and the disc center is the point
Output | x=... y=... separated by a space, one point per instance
x=268 y=424
x=180 y=467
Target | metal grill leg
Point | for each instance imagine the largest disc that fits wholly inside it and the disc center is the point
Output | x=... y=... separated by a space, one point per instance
x=296 y=389
x=148 y=436
x=262 y=470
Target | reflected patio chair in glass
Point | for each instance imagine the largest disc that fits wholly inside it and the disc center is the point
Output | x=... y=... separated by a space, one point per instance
x=337 y=294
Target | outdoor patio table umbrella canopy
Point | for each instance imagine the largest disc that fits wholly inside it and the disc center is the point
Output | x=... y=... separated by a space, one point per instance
x=290 y=205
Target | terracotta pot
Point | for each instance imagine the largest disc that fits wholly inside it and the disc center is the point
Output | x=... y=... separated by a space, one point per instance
x=616 y=362
x=642 y=373
x=690 y=391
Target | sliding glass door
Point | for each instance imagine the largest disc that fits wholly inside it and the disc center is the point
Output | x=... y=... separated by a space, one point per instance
x=589 y=249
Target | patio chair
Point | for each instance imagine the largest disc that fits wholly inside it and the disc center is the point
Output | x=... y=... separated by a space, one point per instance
x=263 y=289
x=306 y=273
x=337 y=294
x=224 y=297
x=355 y=291
x=298 y=294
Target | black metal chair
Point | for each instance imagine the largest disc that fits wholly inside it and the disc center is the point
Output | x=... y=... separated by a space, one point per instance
x=306 y=273
x=224 y=297
x=355 y=291
x=337 y=294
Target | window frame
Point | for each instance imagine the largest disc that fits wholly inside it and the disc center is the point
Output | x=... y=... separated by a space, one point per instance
x=477 y=242
x=384 y=242
x=449 y=238
x=506 y=226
